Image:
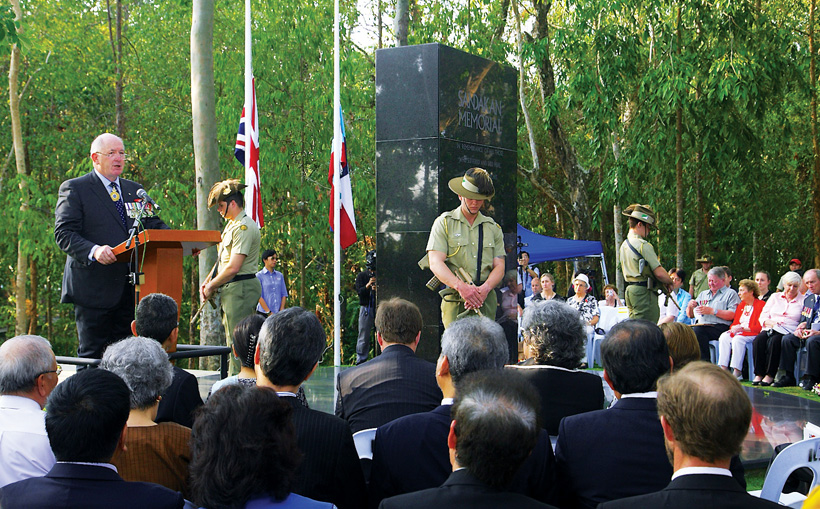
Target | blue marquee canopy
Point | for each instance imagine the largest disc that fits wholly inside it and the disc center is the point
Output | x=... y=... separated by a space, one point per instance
x=543 y=248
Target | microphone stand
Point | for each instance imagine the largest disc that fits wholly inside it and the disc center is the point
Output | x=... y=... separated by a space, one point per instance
x=133 y=237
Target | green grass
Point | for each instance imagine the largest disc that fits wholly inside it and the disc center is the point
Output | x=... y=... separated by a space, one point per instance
x=794 y=391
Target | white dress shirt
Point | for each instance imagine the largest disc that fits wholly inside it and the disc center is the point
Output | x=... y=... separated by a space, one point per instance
x=24 y=448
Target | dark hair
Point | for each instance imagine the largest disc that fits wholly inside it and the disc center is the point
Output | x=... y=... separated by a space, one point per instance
x=678 y=272
x=707 y=409
x=245 y=337
x=522 y=253
x=482 y=179
x=768 y=276
x=634 y=355
x=555 y=331
x=86 y=415
x=473 y=344
x=398 y=321
x=267 y=253
x=497 y=422
x=235 y=197
x=243 y=445
x=291 y=342
x=156 y=316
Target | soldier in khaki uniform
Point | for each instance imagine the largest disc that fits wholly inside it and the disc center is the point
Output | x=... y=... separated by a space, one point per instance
x=454 y=244
x=639 y=263
x=235 y=276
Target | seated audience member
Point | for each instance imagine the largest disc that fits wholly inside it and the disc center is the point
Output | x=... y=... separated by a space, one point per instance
x=745 y=327
x=547 y=289
x=508 y=312
x=245 y=336
x=808 y=333
x=713 y=310
x=763 y=280
x=410 y=453
x=397 y=382
x=682 y=343
x=157 y=317
x=155 y=452
x=554 y=339
x=705 y=417
x=290 y=348
x=28 y=374
x=669 y=312
x=586 y=305
x=779 y=317
x=495 y=427
x=253 y=427
x=728 y=279
x=611 y=297
x=86 y=423
x=536 y=290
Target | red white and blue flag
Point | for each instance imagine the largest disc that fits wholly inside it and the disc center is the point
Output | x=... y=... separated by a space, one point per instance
x=347 y=221
x=253 y=198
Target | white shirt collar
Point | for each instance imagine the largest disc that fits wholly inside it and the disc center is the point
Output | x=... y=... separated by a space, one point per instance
x=106 y=465
x=647 y=395
x=18 y=403
x=107 y=182
x=701 y=470
x=446 y=401
x=285 y=394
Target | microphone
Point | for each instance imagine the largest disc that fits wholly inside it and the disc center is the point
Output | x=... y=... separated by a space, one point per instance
x=144 y=195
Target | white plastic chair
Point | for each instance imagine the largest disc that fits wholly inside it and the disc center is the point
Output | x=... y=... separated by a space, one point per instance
x=805 y=453
x=609 y=318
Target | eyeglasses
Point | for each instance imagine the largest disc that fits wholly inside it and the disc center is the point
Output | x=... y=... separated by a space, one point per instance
x=324 y=352
x=55 y=371
x=113 y=153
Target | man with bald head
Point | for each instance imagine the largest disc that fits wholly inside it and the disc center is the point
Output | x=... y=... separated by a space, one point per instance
x=28 y=374
x=94 y=213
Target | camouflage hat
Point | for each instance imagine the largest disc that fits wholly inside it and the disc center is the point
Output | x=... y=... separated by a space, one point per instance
x=642 y=213
x=476 y=184
x=222 y=190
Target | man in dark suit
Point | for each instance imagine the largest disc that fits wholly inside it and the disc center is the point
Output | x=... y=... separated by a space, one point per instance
x=157 y=317
x=410 y=453
x=95 y=213
x=290 y=348
x=705 y=416
x=86 y=423
x=808 y=333
x=394 y=384
x=496 y=423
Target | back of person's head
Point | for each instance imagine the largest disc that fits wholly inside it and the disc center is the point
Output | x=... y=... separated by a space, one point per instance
x=144 y=366
x=22 y=360
x=555 y=331
x=682 y=343
x=497 y=421
x=291 y=342
x=243 y=445
x=707 y=409
x=473 y=344
x=245 y=337
x=634 y=355
x=85 y=416
x=156 y=316
x=398 y=321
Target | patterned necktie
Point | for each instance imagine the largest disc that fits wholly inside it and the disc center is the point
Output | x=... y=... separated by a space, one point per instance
x=118 y=202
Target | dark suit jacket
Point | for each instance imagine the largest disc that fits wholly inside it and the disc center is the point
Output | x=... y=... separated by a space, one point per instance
x=696 y=490
x=411 y=454
x=330 y=470
x=180 y=400
x=615 y=453
x=86 y=487
x=563 y=392
x=461 y=489
x=85 y=215
x=394 y=384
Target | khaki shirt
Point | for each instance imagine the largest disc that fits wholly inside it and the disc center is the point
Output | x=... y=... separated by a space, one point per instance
x=241 y=235
x=453 y=235
x=630 y=262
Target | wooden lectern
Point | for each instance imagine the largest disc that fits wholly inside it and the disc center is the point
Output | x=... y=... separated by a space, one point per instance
x=162 y=262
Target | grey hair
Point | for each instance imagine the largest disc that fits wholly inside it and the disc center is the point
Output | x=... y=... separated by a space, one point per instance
x=474 y=344
x=511 y=276
x=22 y=360
x=98 y=141
x=556 y=333
x=485 y=404
x=144 y=366
x=717 y=272
x=792 y=277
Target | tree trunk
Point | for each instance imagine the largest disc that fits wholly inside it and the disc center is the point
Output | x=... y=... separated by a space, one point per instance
x=619 y=239
x=679 y=219
x=20 y=158
x=815 y=143
x=33 y=313
x=400 y=24
x=119 y=85
x=49 y=305
x=206 y=158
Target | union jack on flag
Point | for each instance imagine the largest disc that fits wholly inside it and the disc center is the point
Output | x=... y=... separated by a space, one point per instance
x=253 y=198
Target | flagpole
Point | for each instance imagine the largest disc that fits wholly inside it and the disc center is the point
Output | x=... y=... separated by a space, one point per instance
x=337 y=199
x=248 y=92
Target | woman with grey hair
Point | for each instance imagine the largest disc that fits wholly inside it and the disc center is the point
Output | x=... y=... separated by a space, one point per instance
x=157 y=453
x=554 y=338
